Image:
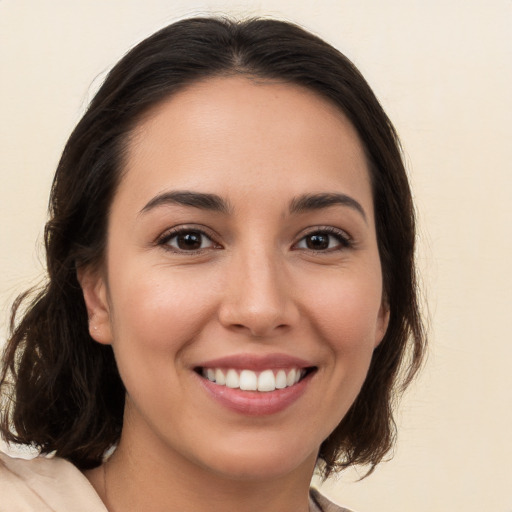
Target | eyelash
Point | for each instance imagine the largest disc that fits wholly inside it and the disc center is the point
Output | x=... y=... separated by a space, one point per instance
x=344 y=240
x=174 y=233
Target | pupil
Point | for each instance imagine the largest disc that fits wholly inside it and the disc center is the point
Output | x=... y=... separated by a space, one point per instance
x=317 y=242
x=189 y=241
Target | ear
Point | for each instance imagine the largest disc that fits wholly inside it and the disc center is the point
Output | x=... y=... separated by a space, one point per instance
x=382 y=322
x=94 y=288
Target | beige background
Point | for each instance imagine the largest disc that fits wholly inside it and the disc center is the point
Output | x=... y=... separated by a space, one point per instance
x=442 y=69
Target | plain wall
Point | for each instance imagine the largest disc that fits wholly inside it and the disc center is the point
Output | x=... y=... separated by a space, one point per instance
x=443 y=71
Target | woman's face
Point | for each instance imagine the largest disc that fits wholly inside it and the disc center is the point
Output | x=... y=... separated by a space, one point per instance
x=241 y=253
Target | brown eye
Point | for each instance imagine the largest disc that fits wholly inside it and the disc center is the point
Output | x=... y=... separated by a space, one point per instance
x=325 y=240
x=317 y=242
x=188 y=241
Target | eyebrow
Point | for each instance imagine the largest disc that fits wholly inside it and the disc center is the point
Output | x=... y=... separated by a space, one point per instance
x=203 y=201
x=215 y=203
x=309 y=202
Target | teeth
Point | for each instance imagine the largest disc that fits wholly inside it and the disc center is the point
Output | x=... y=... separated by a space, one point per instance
x=219 y=377
x=232 y=379
x=281 y=379
x=290 y=378
x=247 y=380
x=266 y=381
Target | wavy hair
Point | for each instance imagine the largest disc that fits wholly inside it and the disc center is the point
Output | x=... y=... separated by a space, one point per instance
x=62 y=390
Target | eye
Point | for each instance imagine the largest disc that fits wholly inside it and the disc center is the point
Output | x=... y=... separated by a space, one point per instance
x=324 y=240
x=187 y=240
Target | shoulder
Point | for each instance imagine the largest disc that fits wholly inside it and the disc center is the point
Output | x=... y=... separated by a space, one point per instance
x=319 y=503
x=45 y=484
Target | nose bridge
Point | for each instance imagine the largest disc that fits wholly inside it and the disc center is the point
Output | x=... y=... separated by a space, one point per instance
x=257 y=297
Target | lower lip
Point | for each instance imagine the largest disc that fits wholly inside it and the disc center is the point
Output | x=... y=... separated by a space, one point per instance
x=256 y=403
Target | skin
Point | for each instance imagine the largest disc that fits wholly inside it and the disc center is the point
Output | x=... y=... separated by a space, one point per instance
x=254 y=287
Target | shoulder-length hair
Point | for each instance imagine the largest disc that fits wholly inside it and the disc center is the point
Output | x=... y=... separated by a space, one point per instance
x=63 y=391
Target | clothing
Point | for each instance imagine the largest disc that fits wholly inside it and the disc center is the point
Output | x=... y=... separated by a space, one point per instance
x=319 y=503
x=55 y=485
x=45 y=485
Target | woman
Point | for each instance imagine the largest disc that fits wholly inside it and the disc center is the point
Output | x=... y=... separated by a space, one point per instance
x=231 y=298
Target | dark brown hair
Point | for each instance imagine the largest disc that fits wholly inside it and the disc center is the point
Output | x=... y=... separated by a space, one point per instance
x=62 y=390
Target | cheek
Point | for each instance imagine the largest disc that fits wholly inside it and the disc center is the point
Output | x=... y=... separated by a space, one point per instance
x=347 y=318
x=155 y=318
x=157 y=312
x=346 y=310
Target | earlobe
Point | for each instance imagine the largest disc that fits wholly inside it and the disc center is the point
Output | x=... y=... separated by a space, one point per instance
x=382 y=323
x=94 y=289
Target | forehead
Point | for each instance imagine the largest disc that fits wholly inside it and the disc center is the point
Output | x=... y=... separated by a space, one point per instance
x=237 y=133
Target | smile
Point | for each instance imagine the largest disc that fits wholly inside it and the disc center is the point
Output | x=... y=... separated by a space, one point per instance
x=256 y=385
x=249 y=380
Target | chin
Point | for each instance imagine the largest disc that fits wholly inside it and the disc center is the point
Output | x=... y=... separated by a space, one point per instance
x=253 y=463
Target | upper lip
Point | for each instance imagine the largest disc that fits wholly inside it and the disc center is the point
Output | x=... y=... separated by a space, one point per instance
x=256 y=362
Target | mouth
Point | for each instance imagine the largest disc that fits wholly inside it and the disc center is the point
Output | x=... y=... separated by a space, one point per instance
x=256 y=385
x=264 y=381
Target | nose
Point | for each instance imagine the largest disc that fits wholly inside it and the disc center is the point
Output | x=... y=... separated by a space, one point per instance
x=258 y=298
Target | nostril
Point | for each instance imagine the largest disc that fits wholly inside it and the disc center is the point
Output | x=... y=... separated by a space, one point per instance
x=260 y=319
